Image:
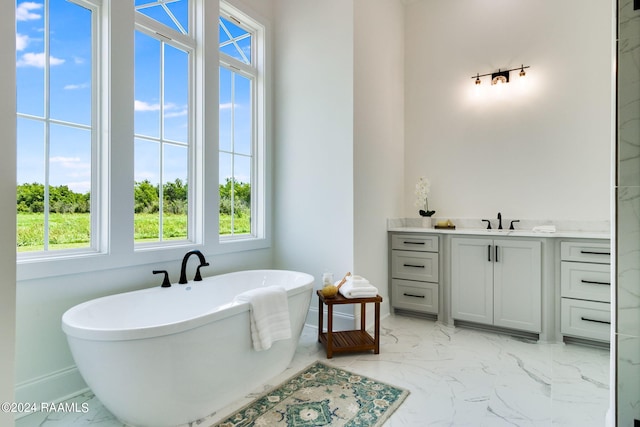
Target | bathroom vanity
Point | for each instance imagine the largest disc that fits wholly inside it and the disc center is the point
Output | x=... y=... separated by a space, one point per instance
x=546 y=286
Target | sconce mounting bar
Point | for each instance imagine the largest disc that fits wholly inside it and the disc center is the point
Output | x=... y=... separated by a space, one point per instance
x=500 y=71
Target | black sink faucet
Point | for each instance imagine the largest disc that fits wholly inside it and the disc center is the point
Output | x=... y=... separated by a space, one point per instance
x=183 y=269
x=499 y=221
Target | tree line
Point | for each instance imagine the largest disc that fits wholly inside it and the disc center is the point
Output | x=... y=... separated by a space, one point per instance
x=30 y=198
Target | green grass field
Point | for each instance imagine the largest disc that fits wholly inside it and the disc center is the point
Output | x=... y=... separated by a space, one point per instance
x=73 y=230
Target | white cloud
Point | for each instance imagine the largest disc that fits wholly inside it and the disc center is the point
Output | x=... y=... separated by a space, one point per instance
x=25 y=11
x=176 y=114
x=22 y=40
x=226 y=106
x=145 y=106
x=74 y=172
x=66 y=161
x=81 y=187
x=172 y=110
x=78 y=60
x=37 y=60
x=78 y=86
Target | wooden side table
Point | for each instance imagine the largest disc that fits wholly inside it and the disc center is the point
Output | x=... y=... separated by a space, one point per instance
x=348 y=341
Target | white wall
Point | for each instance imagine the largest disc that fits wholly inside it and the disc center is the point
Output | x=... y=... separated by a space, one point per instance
x=339 y=106
x=7 y=208
x=313 y=125
x=378 y=162
x=538 y=152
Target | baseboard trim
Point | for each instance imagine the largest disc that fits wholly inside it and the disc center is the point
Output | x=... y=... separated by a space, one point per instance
x=51 y=388
x=587 y=342
x=532 y=336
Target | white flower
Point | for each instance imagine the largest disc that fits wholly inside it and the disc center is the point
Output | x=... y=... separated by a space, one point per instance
x=423 y=187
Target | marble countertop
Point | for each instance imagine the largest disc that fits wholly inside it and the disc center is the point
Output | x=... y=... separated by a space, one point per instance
x=564 y=229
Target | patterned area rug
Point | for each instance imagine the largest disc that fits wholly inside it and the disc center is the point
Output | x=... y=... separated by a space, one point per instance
x=321 y=395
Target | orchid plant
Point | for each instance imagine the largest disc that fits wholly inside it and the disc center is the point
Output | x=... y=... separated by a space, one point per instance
x=423 y=187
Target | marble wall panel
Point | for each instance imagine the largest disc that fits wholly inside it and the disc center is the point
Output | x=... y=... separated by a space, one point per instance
x=628 y=172
x=628 y=216
x=628 y=20
x=628 y=373
x=628 y=261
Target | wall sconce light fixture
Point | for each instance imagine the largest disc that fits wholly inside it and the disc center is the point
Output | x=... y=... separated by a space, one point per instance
x=500 y=76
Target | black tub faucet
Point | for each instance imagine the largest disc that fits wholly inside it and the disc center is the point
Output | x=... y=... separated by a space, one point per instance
x=183 y=269
x=499 y=221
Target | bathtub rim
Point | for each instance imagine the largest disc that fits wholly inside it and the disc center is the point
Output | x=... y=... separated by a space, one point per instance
x=129 y=334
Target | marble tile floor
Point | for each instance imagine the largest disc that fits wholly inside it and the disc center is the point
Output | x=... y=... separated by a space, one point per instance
x=456 y=376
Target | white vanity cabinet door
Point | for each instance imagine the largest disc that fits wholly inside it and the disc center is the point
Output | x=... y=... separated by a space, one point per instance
x=472 y=280
x=497 y=282
x=517 y=284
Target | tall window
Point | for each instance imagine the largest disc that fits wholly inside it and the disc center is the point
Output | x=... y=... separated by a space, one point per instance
x=241 y=137
x=163 y=135
x=56 y=125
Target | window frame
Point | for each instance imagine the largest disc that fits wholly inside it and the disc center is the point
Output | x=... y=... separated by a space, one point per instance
x=97 y=242
x=256 y=72
x=188 y=44
x=115 y=155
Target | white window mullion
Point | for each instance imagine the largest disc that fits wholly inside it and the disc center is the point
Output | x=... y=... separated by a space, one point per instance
x=237 y=66
x=256 y=186
x=47 y=123
x=97 y=238
x=161 y=145
x=233 y=150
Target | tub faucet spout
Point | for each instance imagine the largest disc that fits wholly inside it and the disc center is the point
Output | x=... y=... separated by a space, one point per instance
x=183 y=269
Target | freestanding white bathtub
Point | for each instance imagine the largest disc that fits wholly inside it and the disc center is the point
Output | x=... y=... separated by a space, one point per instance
x=170 y=356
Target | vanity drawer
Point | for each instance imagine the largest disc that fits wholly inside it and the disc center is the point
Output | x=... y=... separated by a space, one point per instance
x=586 y=281
x=414 y=242
x=586 y=319
x=421 y=266
x=586 y=252
x=416 y=296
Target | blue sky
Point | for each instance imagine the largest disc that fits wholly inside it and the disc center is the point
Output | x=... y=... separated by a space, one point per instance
x=70 y=93
x=70 y=96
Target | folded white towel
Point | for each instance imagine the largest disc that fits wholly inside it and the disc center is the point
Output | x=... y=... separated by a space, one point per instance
x=269 y=315
x=348 y=290
x=358 y=281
